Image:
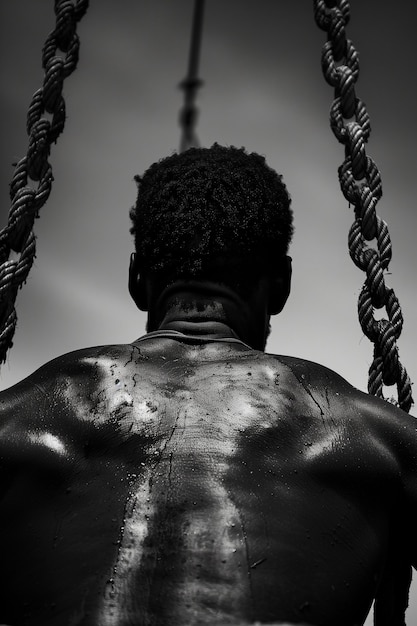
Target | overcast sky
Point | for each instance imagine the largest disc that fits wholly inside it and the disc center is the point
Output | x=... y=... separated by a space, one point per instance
x=263 y=90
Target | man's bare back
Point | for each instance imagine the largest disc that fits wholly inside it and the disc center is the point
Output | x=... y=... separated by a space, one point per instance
x=189 y=478
x=187 y=482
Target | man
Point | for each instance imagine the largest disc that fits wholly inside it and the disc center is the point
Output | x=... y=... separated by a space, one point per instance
x=189 y=478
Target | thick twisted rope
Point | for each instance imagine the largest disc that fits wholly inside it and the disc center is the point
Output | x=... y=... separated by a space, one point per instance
x=32 y=180
x=360 y=182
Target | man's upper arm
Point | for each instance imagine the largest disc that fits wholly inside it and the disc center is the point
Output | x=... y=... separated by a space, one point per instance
x=27 y=410
x=410 y=490
x=399 y=432
x=18 y=408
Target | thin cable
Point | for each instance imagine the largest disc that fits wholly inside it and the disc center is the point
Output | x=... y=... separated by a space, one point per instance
x=191 y=84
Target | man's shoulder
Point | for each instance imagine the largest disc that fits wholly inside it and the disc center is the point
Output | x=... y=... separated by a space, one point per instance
x=371 y=427
x=310 y=374
x=318 y=380
x=77 y=362
x=77 y=370
x=54 y=404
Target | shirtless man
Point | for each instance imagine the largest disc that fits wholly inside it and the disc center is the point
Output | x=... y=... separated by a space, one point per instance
x=190 y=478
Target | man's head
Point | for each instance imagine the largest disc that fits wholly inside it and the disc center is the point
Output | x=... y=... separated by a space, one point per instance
x=216 y=213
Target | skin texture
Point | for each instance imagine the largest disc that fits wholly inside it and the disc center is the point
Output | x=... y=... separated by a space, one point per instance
x=177 y=481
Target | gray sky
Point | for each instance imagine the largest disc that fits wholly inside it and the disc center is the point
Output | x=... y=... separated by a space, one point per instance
x=263 y=90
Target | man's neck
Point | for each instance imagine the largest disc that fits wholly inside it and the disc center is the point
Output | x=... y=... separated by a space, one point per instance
x=198 y=327
x=208 y=309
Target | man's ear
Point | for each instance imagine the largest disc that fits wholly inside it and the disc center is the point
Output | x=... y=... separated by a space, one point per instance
x=280 y=286
x=137 y=284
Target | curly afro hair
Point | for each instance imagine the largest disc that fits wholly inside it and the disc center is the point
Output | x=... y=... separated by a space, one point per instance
x=210 y=203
